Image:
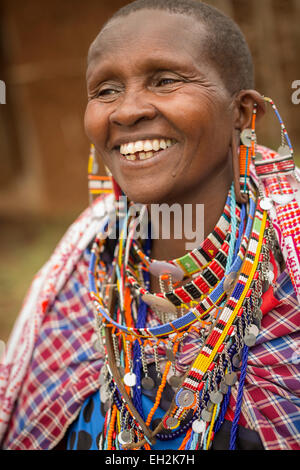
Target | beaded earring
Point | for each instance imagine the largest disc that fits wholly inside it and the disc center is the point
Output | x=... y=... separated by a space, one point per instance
x=99 y=185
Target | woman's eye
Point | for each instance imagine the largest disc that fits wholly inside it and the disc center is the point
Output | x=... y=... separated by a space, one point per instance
x=107 y=92
x=166 y=81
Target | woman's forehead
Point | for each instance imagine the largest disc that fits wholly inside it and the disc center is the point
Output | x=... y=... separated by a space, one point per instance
x=150 y=30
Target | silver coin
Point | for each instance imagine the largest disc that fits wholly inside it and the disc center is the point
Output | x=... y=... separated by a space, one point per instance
x=157 y=268
x=266 y=204
x=104 y=393
x=130 y=379
x=175 y=381
x=216 y=397
x=185 y=398
x=282 y=199
x=171 y=423
x=199 y=426
x=124 y=437
x=259 y=156
x=159 y=303
x=206 y=415
x=257 y=322
x=284 y=151
x=253 y=330
x=236 y=361
x=229 y=281
x=270 y=276
x=223 y=388
x=98 y=346
x=249 y=340
x=147 y=383
x=246 y=135
x=231 y=378
x=107 y=405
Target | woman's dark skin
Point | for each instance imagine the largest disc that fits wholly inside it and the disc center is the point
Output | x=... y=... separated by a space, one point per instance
x=148 y=77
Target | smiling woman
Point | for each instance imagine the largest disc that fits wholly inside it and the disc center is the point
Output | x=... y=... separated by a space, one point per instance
x=128 y=342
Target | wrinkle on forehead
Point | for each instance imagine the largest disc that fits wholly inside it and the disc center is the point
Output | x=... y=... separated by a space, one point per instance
x=149 y=22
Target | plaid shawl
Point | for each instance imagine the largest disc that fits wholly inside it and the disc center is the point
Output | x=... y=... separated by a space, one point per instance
x=51 y=367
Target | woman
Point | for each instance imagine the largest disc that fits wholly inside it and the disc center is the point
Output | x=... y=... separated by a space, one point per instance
x=198 y=347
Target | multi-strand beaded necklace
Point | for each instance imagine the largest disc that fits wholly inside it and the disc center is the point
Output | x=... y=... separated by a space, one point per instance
x=219 y=302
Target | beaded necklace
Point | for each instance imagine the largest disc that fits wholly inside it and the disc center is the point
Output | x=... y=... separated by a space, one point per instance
x=227 y=319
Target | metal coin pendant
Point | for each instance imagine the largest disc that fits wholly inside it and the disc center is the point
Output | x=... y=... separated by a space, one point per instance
x=175 y=381
x=253 y=330
x=130 y=379
x=160 y=303
x=157 y=268
x=98 y=346
x=172 y=423
x=284 y=151
x=147 y=383
x=186 y=398
x=266 y=204
x=246 y=135
x=270 y=276
x=259 y=156
x=216 y=397
x=206 y=415
x=236 y=361
x=124 y=437
x=265 y=286
x=199 y=426
x=230 y=379
x=223 y=388
x=249 y=340
x=282 y=199
x=104 y=393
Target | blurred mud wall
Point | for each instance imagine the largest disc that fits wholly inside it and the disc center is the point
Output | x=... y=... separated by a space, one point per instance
x=43 y=47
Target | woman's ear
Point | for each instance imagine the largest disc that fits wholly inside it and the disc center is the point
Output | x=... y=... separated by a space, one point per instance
x=245 y=101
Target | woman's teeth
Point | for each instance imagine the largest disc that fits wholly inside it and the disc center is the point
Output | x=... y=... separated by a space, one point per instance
x=143 y=149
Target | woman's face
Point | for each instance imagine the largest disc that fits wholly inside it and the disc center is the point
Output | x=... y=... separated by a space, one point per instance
x=159 y=113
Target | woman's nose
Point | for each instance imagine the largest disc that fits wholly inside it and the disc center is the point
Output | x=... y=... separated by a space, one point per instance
x=131 y=108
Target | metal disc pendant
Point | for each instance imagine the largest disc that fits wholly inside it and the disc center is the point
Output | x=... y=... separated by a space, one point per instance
x=104 y=393
x=186 y=398
x=246 y=135
x=282 y=199
x=249 y=340
x=229 y=281
x=253 y=330
x=124 y=437
x=223 y=388
x=130 y=379
x=231 y=378
x=148 y=383
x=216 y=397
x=284 y=151
x=258 y=313
x=157 y=268
x=98 y=346
x=236 y=361
x=199 y=426
x=107 y=405
x=171 y=423
x=266 y=204
x=175 y=381
x=160 y=303
x=270 y=276
x=265 y=286
x=259 y=156
x=206 y=415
